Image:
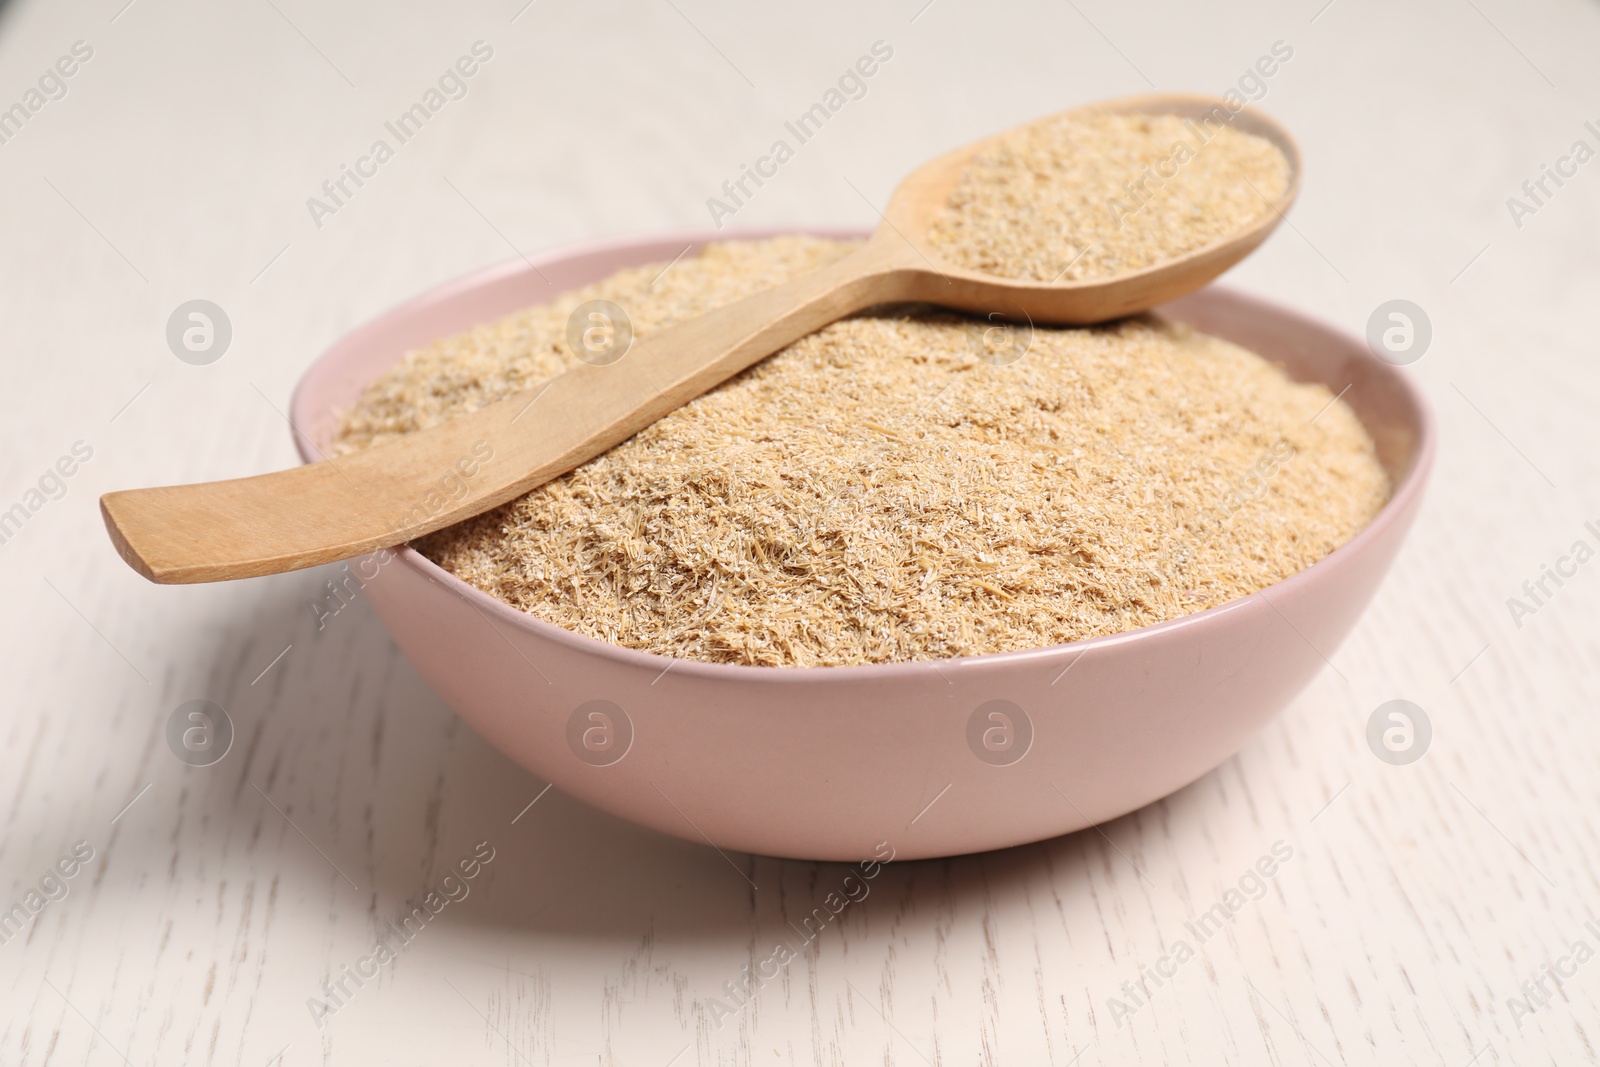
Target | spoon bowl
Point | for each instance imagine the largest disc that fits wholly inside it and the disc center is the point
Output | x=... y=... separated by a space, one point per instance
x=380 y=497
x=920 y=198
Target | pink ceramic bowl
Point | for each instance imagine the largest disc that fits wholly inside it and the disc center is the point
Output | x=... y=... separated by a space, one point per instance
x=837 y=763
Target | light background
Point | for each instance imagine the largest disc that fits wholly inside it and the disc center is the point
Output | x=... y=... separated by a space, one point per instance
x=177 y=167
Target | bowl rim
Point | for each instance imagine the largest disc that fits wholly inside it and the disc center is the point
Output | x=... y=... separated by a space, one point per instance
x=1402 y=498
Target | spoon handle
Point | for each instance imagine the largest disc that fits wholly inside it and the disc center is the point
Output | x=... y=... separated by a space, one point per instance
x=401 y=489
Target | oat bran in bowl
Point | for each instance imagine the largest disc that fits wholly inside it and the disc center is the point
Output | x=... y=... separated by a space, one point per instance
x=1111 y=695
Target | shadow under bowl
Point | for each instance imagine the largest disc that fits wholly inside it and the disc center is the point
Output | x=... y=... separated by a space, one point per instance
x=830 y=763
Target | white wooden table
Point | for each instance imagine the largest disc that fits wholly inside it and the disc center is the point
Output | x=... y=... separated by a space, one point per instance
x=1415 y=901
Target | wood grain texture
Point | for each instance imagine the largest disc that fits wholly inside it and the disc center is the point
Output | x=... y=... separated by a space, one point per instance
x=1417 y=900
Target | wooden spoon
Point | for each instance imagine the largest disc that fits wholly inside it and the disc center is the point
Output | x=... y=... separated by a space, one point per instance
x=338 y=508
